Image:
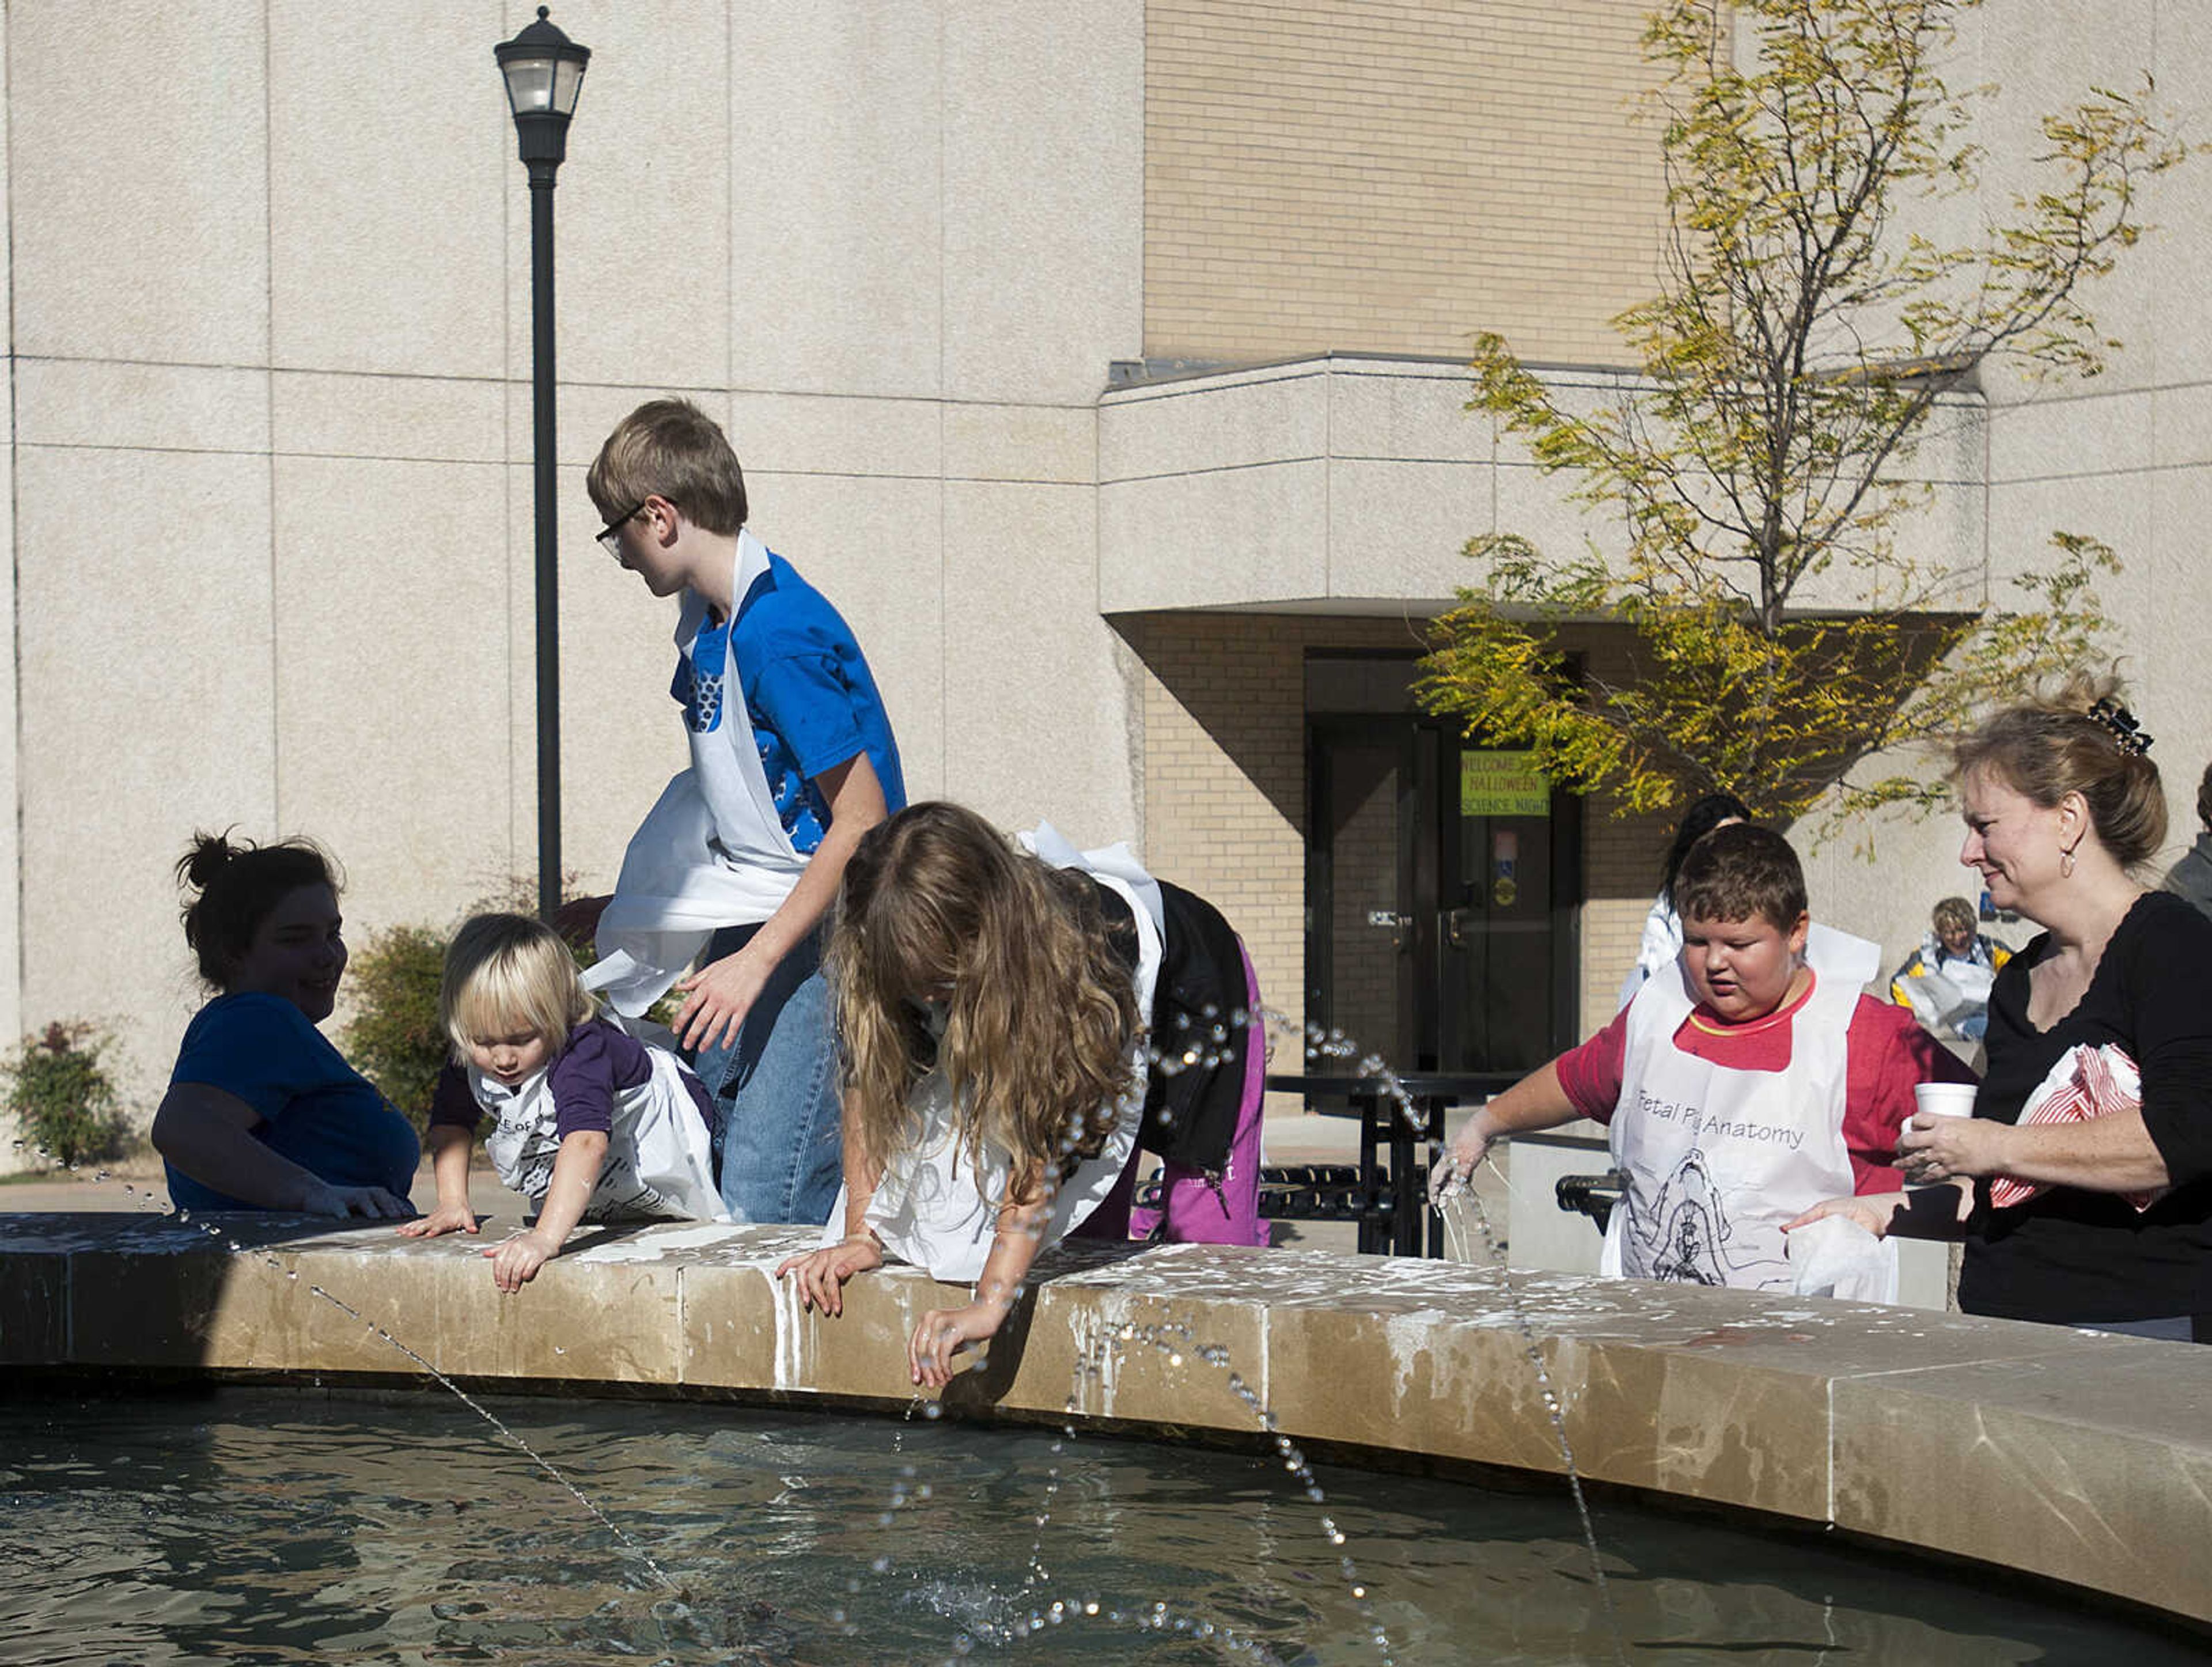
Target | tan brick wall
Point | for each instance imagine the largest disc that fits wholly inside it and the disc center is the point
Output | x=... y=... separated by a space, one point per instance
x=1225 y=772
x=1326 y=175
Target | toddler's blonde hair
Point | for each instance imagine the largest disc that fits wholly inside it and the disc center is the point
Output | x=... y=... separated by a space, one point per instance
x=506 y=973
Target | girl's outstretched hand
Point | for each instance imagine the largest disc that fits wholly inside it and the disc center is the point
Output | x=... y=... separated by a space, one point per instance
x=446 y=1218
x=943 y=1333
x=821 y=1273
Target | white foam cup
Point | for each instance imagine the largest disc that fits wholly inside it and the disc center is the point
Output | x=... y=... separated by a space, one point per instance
x=1945 y=1099
x=1942 y=1100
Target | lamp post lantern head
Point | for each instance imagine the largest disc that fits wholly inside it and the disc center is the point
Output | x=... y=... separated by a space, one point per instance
x=544 y=71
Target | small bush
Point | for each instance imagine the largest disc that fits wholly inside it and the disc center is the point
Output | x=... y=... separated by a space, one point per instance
x=63 y=1101
x=394 y=1038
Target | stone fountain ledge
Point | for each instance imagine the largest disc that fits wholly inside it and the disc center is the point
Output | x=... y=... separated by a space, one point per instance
x=2082 y=1458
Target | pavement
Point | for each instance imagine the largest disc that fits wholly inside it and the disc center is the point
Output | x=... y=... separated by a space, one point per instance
x=135 y=1182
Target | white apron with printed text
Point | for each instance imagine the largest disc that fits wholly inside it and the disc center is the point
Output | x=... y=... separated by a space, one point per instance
x=712 y=852
x=658 y=1162
x=1717 y=1160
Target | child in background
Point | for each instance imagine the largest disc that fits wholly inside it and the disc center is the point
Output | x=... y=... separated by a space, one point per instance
x=1946 y=981
x=994 y=1004
x=1741 y=1085
x=589 y=1123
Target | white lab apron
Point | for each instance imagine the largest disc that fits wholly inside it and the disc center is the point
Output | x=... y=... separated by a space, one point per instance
x=712 y=852
x=659 y=1162
x=1717 y=1160
x=932 y=1208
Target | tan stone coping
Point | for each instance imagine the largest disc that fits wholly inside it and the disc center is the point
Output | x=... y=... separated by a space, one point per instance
x=2081 y=1458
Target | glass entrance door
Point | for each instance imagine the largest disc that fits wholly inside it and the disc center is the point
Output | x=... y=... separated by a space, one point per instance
x=1442 y=882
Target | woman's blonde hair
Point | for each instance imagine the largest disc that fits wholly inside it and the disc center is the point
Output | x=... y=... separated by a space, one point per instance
x=1042 y=1013
x=506 y=973
x=2080 y=740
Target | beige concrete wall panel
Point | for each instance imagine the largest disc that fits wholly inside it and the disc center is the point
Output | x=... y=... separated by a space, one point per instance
x=1392 y=178
x=1043 y=196
x=622 y=738
x=1037 y=711
x=144 y=238
x=388 y=221
x=642 y=214
x=1277 y=415
x=2179 y=420
x=2085 y=429
x=1535 y=506
x=1046 y=444
x=1406 y=413
x=874 y=546
x=1880 y=877
x=2164 y=645
x=1399 y=530
x=836 y=137
x=391 y=697
x=2044 y=60
x=801 y=434
x=141 y=407
x=169 y=579
x=423 y=418
x=1229 y=538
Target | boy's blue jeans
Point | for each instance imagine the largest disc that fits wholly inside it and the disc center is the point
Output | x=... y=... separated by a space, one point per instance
x=778 y=1148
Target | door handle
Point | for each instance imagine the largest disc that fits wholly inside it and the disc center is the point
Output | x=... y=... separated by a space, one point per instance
x=1461 y=926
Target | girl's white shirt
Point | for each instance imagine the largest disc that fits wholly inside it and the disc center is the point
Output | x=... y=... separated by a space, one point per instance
x=712 y=852
x=658 y=1162
x=1661 y=943
x=933 y=1208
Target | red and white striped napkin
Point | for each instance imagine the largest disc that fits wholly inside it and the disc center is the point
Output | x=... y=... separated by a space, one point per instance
x=2086 y=1082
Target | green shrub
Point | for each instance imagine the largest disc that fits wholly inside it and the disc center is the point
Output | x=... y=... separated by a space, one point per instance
x=394 y=1038
x=63 y=1101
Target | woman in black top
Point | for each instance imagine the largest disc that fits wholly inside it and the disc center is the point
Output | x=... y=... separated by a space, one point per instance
x=2062 y=804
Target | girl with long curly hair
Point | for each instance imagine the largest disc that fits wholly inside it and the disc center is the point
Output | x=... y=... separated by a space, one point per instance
x=994 y=1008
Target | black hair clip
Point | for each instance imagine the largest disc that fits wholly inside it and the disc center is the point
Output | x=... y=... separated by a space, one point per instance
x=2116 y=721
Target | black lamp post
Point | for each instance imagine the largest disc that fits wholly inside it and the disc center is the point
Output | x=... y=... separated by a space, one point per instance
x=544 y=70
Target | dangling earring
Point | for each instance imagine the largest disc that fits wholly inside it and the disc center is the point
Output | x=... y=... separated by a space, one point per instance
x=2066 y=865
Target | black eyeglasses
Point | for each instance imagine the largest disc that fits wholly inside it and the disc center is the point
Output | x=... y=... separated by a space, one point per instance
x=609 y=536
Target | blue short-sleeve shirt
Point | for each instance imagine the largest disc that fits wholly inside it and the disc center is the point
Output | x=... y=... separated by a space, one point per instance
x=316 y=1110
x=810 y=695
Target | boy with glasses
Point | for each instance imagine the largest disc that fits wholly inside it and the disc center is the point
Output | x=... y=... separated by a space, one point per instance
x=793 y=759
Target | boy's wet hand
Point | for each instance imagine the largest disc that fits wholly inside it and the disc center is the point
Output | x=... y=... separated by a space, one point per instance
x=718 y=997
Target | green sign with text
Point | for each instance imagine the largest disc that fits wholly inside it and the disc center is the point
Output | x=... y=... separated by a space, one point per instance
x=1502 y=784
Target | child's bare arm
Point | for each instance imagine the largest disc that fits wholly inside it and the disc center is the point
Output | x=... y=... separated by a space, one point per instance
x=1537 y=1101
x=449 y=1164
x=719 y=994
x=944 y=1331
x=575 y=1173
x=821 y=1273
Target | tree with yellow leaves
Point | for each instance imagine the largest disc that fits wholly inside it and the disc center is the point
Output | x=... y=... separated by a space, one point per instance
x=1807 y=332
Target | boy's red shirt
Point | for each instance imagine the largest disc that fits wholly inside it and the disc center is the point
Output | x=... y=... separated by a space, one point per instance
x=1886 y=1053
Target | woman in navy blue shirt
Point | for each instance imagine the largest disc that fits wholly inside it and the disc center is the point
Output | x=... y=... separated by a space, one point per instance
x=262 y=1112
